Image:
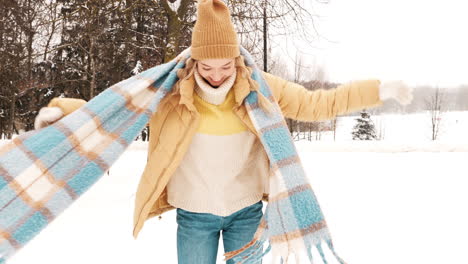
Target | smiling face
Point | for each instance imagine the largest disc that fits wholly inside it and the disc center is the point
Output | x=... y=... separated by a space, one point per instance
x=216 y=71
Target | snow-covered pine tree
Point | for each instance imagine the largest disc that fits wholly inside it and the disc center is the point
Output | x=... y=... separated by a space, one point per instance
x=364 y=129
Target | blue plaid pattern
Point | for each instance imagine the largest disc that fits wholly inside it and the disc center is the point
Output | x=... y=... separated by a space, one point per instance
x=293 y=221
x=42 y=172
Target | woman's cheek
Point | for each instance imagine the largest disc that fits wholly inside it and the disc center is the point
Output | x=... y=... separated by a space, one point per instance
x=229 y=73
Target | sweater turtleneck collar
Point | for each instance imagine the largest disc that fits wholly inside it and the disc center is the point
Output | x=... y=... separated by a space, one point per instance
x=215 y=96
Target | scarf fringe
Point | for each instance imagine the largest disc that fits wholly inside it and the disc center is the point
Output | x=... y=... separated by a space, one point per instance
x=250 y=253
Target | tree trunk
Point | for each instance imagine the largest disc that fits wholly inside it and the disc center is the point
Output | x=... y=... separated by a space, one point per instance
x=29 y=32
x=334 y=129
x=53 y=17
x=92 y=86
x=12 y=115
x=2 y=24
x=174 y=28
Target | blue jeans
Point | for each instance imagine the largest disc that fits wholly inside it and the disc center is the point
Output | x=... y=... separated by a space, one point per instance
x=198 y=233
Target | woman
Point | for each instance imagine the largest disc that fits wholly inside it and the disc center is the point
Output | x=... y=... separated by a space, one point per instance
x=204 y=156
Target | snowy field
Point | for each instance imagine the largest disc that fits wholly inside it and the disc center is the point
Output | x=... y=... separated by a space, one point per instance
x=407 y=129
x=391 y=201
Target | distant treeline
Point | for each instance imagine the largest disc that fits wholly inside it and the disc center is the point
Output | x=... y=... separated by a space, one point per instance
x=451 y=99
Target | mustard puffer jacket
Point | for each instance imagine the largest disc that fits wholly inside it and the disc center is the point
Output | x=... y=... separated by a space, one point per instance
x=176 y=121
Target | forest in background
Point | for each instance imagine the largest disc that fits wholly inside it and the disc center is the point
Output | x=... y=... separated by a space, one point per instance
x=72 y=48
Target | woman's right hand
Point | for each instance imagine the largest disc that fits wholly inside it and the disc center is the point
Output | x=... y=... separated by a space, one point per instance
x=47 y=116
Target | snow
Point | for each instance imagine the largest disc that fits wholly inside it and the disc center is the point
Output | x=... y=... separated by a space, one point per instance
x=407 y=128
x=138 y=68
x=174 y=6
x=385 y=202
x=49 y=92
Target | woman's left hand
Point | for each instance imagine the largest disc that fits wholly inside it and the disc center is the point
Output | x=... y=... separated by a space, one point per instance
x=397 y=90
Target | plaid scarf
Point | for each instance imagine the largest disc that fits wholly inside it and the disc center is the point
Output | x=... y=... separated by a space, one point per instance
x=43 y=171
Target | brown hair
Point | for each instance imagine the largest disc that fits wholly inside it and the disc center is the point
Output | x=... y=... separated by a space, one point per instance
x=245 y=71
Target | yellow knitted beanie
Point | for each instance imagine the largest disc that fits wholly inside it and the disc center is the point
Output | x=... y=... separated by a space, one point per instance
x=214 y=36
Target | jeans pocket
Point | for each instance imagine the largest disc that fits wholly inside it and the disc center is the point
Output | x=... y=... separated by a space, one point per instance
x=252 y=211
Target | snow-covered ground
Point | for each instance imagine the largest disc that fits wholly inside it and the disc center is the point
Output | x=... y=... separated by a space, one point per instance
x=385 y=202
x=408 y=128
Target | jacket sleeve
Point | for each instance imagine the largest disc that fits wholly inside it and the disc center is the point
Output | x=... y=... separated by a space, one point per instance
x=67 y=105
x=301 y=104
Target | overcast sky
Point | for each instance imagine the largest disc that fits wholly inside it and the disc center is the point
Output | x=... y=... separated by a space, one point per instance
x=418 y=41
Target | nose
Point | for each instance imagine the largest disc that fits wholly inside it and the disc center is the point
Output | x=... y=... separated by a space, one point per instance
x=217 y=76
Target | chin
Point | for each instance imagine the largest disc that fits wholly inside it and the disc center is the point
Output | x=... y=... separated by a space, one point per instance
x=215 y=86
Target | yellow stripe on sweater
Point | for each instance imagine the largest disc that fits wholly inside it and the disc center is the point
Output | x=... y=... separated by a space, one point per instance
x=218 y=119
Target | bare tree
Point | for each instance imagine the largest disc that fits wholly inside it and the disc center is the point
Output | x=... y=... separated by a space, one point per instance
x=318 y=131
x=312 y=78
x=380 y=127
x=298 y=71
x=16 y=37
x=279 y=67
x=436 y=108
x=260 y=22
x=334 y=124
x=75 y=48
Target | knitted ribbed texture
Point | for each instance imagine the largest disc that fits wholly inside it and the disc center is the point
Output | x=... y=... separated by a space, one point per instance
x=214 y=36
x=213 y=180
x=210 y=180
x=215 y=96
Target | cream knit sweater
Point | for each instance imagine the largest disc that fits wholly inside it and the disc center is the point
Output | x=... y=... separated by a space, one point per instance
x=225 y=168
